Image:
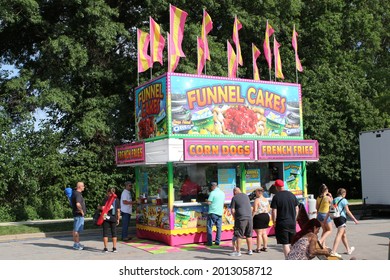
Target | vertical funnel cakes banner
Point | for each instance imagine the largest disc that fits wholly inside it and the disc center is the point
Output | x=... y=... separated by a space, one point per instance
x=202 y=106
x=150 y=109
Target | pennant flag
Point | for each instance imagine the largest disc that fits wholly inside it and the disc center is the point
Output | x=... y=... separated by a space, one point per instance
x=237 y=26
x=207 y=26
x=278 y=61
x=177 y=19
x=157 y=42
x=266 y=46
x=232 y=61
x=173 y=59
x=201 y=55
x=298 y=64
x=144 y=60
x=255 y=55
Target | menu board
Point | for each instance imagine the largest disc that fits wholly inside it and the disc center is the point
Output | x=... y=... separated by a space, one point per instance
x=227 y=181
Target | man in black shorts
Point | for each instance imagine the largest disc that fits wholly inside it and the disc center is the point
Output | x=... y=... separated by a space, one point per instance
x=284 y=215
x=243 y=222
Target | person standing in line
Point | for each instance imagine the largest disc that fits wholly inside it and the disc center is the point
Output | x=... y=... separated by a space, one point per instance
x=216 y=201
x=322 y=205
x=126 y=210
x=261 y=218
x=111 y=219
x=243 y=222
x=79 y=210
x=341 y=223
x=284 y=215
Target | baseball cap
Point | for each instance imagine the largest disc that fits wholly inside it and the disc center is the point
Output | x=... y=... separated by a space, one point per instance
x=279 y=183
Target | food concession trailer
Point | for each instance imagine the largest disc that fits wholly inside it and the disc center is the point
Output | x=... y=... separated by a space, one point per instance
x=193 y=130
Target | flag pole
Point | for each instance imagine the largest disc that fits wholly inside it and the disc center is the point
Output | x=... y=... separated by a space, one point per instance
x=137 y=59
x=237 y=58
x=204 y=34
x=227 y=49
x=296 y=70
x=169 y=51
x=169 y=40
x=197 y=54
x=274 y=57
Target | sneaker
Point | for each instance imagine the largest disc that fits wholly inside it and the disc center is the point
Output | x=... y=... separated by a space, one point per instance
x=334 y=254
x=114 y=250
x=105 y=250
x=250 y=252
x=235 y=254
x=216 y=243
x=78 y=246
x=350 y=251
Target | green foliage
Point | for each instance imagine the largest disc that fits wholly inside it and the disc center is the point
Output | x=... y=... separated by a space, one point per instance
x=77 y=63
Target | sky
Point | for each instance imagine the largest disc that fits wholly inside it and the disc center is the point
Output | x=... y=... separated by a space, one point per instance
x=39 y=114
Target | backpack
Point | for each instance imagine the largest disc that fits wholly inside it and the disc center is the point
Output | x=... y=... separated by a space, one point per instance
x=69 y=192
x=334 y=211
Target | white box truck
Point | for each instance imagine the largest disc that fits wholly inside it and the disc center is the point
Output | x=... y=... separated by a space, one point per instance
x=375 y=167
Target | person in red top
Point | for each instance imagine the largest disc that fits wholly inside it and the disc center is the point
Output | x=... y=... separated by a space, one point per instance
x=189 y=190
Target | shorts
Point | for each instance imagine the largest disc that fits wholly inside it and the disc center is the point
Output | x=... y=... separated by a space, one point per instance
x=243 y=228
x=284 y=234
x=321 y=217
x=340 y=222
x=109 y=226
x=78 y=224
x=261 y=221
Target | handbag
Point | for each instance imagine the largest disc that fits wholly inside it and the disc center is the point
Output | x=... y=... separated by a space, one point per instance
x=95 y=218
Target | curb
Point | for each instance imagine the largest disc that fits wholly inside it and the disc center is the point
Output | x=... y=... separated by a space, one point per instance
x=25 y=236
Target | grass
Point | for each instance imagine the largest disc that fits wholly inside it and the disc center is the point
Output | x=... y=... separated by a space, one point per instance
x=47 y=227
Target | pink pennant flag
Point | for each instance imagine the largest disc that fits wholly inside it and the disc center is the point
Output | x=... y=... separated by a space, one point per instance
x=278 y=61
x=232 y=61
x=144 y=60
x=157 y=42
x=298 y=64
x=236 y=27
x=255 y=55
x=201 y=55
x=173 y=59
x=207 y=26
x=177 y=19
x=266 y=45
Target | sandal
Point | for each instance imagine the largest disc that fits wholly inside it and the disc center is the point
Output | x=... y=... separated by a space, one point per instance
x=257 y=250
x=264 y=249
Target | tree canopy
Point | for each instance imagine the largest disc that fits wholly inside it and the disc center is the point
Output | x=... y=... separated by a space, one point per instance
x=76 y=62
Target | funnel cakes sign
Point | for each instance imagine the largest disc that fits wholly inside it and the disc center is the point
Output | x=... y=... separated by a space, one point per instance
x=210 y=107
x=217 y=150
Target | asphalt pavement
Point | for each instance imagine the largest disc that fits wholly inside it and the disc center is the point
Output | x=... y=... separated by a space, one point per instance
x=371 y=238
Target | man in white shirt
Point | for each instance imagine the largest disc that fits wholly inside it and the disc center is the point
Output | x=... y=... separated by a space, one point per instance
x=126 y=210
